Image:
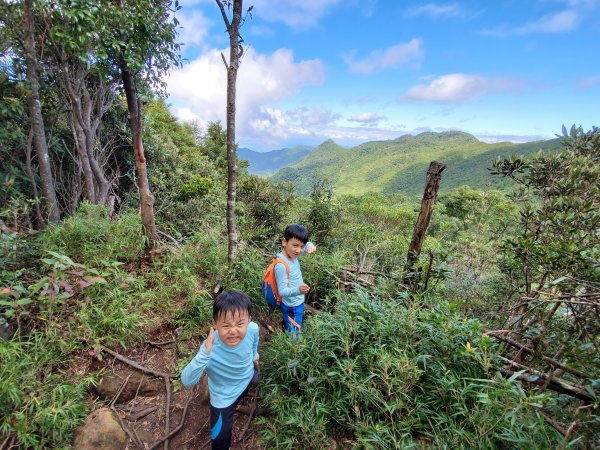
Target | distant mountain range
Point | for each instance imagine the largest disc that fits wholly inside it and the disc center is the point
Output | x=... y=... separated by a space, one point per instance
x=394 y=166
x=267 y=163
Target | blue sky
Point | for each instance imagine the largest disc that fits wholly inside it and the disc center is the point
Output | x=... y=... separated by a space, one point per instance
x=361 y=70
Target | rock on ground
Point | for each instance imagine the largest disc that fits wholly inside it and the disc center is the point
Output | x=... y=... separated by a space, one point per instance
x=100 y=431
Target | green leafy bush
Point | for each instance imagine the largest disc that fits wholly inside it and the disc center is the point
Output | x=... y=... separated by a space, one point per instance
x=377 y=375
x=60 y=308
x=264 y=207
x=89 y=236
x=195 y=187
x=40 y=406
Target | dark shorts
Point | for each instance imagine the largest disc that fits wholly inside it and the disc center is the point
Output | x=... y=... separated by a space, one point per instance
x=221 y=420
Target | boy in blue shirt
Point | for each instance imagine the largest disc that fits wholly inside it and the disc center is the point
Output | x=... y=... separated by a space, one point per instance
x=230 y=357
x=294 y=243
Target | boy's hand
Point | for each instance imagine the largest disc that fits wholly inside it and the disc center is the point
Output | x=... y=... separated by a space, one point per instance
x=311 y=249
x=304 y=288
x=210 y=340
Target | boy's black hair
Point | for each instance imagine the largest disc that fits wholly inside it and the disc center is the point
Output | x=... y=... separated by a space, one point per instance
x=296 y=231
x=231 y=302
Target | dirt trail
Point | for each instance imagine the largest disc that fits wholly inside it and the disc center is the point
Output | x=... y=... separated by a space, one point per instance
x=195 y=431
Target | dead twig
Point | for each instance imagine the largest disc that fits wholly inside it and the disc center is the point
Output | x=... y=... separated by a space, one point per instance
x=250 y=416
x=134 y=364
x=558 y=427
x=171 y=238
x=167 y=411
x=176 y=429
x=118 y=394
x=159 y=344
x=133 y=437
x=312 y=309
x=134 y=417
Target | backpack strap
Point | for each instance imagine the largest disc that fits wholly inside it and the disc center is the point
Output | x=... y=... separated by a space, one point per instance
x=285 y=264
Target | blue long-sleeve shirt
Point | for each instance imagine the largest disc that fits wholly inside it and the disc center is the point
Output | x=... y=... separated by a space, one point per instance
x=229 y=369
x=290 y=296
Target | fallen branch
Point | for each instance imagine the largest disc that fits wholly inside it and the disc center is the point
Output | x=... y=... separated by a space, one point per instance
x=134 y=364
x=367 y=272
x=159 y=344
x=549 y=360
x=133 y=417
x=553 y=423
x=556 y=384
x=312 y=309
x=171 y=238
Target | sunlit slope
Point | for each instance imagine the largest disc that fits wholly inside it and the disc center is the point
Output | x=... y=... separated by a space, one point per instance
x=399 y=165
x=267 y=163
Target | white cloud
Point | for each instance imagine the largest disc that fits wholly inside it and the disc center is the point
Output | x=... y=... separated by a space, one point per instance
x=313 y=117
x=295 y=14
x=553 y=23
x=199 y=89
x=559 y=22
x=193 y=27
x=495 y=138
x=460 y=87
x=186 y=115
x=390 y=57
x=367 y=118
x=437 y=10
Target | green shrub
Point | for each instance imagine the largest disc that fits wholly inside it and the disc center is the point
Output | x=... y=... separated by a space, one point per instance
x=264 y=208
x=377 y=375
x=62 y=308
x=195 y=187
x=89 y=236
x=40 y=405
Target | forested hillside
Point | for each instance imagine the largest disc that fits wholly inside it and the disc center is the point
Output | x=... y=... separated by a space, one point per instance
x=267 y=163
x=464 y=318
x=396 y=166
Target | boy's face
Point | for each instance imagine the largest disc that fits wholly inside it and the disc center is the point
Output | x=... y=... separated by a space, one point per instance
x=232 y=327
x=292 y=247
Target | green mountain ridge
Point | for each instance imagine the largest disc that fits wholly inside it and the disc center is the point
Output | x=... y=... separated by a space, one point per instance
x=400 y=165
x=267 y=163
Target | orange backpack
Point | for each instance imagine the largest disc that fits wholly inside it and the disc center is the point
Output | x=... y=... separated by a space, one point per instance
x=269 y=283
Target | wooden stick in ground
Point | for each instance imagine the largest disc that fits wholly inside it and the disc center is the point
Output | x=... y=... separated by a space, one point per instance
x=245 y=429
x=132 y=363
x=118 y=394
x=432 y=185
x=133 y=438
x=179 y=427
x=167 y=411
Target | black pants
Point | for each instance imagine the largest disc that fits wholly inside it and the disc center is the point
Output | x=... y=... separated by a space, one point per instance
x=221 y=420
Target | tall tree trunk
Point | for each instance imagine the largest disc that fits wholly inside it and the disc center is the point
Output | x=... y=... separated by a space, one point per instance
x=39 y=218
x=88 y=176
x=37 y=120
x=233 y=29
x=134 y=107
x=86 y=112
